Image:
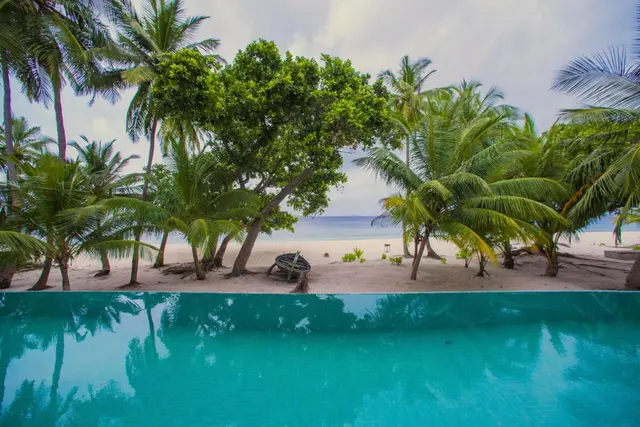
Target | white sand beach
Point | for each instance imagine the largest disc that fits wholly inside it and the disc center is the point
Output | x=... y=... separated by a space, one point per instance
x=331 y=275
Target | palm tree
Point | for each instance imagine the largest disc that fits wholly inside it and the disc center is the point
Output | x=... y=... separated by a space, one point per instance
x=611 y=174
x=104 y=169
x=56 y=206
x=455 y=182
x=201 y=210
x=407 y=92
x=163 y=27
x=28 y=143
x=57 y=39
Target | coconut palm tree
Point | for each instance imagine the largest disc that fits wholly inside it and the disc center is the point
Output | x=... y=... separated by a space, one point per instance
x=201 y=210
x=104 y=168
x=407 y=93
x=609 y=82
x=455 y=180
x=162 y=27
x=28 y=142
x=56 y=206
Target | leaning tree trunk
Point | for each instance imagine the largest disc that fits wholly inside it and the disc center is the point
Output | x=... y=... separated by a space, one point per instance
x=41 y=284
x=430 y=252
x=240 y=264
x=57 y=104
x=417 y=259
x=405 y=246
x=135 y=260
x=8 y=123
x=200 y=275
x=63 y=264
x=6 y=275
x=552 y=263
x=482 y=261
x=633 y=278
x=217 y=260
x=163 y=245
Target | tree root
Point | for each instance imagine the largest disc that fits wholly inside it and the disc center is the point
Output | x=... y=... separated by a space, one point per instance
x=39 y=288
x=102 y=273
x=130 y=285
x=302 y=286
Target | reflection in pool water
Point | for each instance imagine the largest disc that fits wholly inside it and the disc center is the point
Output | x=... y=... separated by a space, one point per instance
x=477 y=359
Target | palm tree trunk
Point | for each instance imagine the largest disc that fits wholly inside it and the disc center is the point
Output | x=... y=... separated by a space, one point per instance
x=200 y=275
x=405 y=246
x=135 y=260
x=160 y=257
x=63 y=264
x=240 y=264
x=416 y=260
x=633 y=278
x=57 y=369
x=430 y=252
x=6 y=275
x=41 y=284
x=552 y=263
x=508 y=263
x=106 y=265
x=8 y=124
x=482 y=261
x=217 y=260
x=57 y=105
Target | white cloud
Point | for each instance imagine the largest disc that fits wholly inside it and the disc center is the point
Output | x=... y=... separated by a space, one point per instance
x=516 y=45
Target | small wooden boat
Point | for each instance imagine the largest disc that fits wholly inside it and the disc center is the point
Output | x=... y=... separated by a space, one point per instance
x=291 y=264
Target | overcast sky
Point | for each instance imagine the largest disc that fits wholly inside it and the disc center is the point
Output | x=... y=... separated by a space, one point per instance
x=517 y=45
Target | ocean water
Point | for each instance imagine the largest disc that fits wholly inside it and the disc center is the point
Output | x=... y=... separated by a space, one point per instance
x=452 y=359
x=356 y=228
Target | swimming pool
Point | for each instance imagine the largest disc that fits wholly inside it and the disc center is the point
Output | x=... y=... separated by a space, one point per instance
x=472 y=359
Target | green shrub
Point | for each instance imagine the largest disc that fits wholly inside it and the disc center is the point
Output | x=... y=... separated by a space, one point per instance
x=396 y=260
x=602 y=244
x=443 y=260
x=358 y=252
x=384 y=256
x=362 y=260
x=636 y=248
x=349 y=258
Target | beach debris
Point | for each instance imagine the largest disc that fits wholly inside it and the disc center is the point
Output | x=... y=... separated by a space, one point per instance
x=290 y=264
x=302 y=285
x=326 y=255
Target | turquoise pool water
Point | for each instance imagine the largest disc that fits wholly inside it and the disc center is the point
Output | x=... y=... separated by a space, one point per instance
x=459 y=359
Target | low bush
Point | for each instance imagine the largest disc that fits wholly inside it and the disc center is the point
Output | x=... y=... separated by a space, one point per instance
x=395 y=260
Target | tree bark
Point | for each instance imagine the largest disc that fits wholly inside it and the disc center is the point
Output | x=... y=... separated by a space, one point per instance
x=57 y=104
x=633 y=278
x=41 y=284
x=160 y=257
x=200 y=275
x=217 y=260
x=417 y=259
x=8 y=123
x=135 y=260
x=405 y=246
x=430 y=252
x=106 y=265
x=63 y=264
x=552 y=264
x=482 y=261
x=240 y=264
x=6 y=275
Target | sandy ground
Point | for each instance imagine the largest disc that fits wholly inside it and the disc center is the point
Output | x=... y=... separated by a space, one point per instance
x=331 y=275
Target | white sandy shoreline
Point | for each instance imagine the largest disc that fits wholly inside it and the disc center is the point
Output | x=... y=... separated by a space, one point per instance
x=331 y=275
